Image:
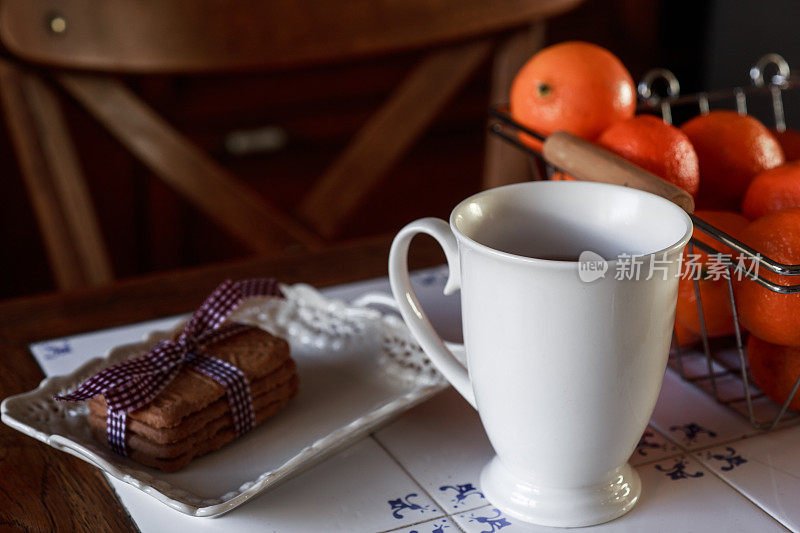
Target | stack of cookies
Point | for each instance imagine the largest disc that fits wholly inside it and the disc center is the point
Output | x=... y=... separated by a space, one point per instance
x=191 y=416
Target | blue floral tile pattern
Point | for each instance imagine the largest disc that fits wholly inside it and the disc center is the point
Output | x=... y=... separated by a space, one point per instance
x=490 y=519
x=462 y=493
x=648 y=444
x=56 y=349
x=678 y=470
x=730 y=457
x=691 y=431
x=653 y=446
x=400 y=506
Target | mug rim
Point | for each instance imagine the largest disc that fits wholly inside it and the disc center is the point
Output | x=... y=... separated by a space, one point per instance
x=680 y=243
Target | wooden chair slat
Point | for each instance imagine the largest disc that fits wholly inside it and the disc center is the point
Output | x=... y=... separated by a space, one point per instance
x=262 y=227
x=211 y=35
x=389 y=133
x=55 y=181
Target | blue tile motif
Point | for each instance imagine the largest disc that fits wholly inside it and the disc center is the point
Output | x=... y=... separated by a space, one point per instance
x=438 y=527
x=405 y=504
x=645 y=444
x=462 y=492
x=55 y=350
x=692 y=430
x=731 y=458
x=495 y=523
x=678 y=470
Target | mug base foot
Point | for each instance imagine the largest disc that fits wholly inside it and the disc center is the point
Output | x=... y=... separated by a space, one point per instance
x=528 y=501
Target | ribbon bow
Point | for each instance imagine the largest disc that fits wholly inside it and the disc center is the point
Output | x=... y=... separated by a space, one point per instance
x=132 y=384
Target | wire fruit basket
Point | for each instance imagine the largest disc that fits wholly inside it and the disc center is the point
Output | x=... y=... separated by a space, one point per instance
x=718 y=366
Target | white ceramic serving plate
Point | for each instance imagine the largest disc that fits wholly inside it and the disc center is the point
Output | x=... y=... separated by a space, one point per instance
x=357 y=367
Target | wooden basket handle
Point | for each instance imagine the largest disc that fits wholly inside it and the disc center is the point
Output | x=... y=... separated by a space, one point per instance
x=592 y=163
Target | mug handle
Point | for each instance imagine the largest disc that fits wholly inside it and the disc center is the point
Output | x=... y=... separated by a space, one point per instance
x=410 y=309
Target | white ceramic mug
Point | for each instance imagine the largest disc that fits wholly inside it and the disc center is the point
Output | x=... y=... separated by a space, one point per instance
x=564 y=371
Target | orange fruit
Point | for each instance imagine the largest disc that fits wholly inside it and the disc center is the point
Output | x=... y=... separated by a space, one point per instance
x=789 y=141
x=714 y=293
x=732 y=149
x=559 y=175
x=684 y=336
x=770 y=315
x=574 y=86
x=773 y=190
x=730 y=222
x=774 y=369
x=715 y=299
x=654 y=145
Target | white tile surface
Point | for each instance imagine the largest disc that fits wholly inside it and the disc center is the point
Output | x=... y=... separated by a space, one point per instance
x=699 y=502
x=693 y=419
x=359 y=489
x=439 y=525
x=442 y=444
x=766 y=469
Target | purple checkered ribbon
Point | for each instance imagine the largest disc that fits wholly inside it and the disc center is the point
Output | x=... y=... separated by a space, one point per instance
x=132 y=384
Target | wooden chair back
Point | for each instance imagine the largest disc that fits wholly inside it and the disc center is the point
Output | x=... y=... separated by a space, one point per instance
x=139 y=36
x=80 y=46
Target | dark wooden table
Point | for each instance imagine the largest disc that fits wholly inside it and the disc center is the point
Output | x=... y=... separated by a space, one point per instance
x=42 y=489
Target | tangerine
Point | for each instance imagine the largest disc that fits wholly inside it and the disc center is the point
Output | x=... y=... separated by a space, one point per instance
x=716 y=303
x=730 y=222
x=732 y=149
x=560 y=175
x=684 y=336
x=775 y=369
x=652 y=144
x=772 y=316
x=714 y=290
x=773 y=190
x=573 y=86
